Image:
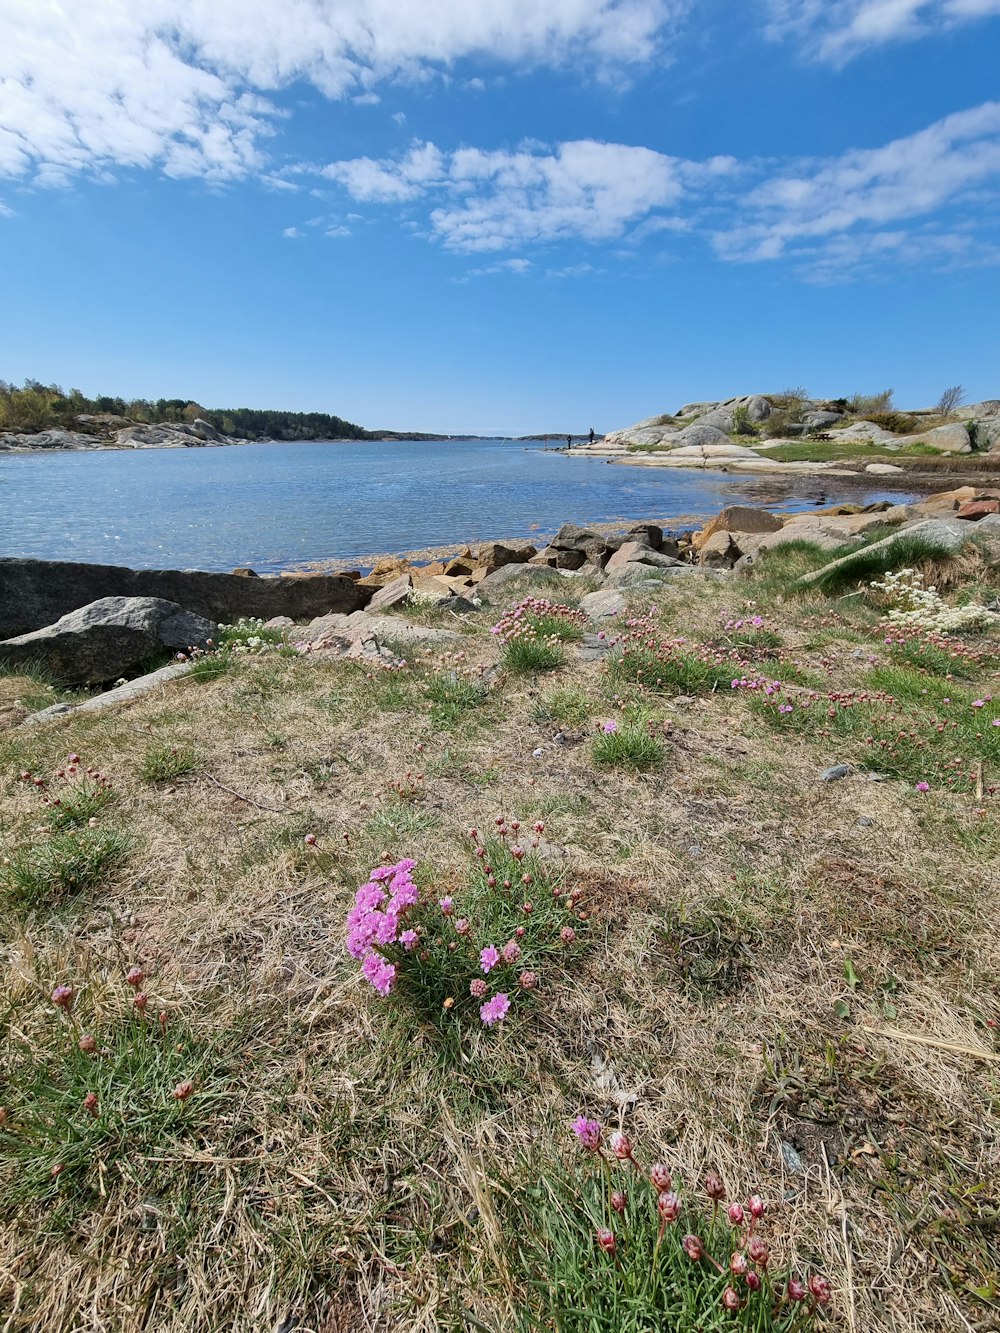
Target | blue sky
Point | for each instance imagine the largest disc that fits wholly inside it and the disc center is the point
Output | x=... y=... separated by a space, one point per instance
x=500 y=215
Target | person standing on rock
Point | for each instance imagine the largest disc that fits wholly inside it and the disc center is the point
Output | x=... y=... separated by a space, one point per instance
x=569 y=441
x=591 y=435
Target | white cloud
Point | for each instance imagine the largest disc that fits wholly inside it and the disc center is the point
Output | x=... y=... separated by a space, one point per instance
x=293 y=234
x=498 y=200
x=335 y=233
x=182 y=85
x=909 y=178
x=836 y=30
x=519 y=267
x=571 y=271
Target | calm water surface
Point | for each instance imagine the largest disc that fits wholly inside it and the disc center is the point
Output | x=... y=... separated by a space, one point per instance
x=272 y=506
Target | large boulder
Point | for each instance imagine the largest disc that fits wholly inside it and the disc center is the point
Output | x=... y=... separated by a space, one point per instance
x=631 y=553
x=738 y=518
x=494 y=585
x=700 y=434
x=987 y=430
x=34 y=593
x=949 y=439
x=867 y=430
x=108 y=638
x=820 y=420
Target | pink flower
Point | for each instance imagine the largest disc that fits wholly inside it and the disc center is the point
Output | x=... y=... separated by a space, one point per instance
x=606 y=1240
x=461 y=926
x=567 y=934
x=618 y=1201
x=87 y=1044
x=488 y=958
x=738 y=1265
x=979 y=703
x=527 y=980
x=820 y=1289
x=758 y=1251
x=736 y=1214
x=610 y=728
x=511 y=951
x=62 y=997
x=135 y=977
x=621 y=1146
x=183 y=1090
x=446 y=905
x=796 y=1290
x=494 y=1010
x=923 y=786
x=310 y=840
x=588 y=1132
x=757 y=1206
x=408 y=940
x=693 y=1247
x=669 y=1206
x=714 y=1187
x=731 y=1299
x=659 y=1174
x=477 y=988
x=381 y=974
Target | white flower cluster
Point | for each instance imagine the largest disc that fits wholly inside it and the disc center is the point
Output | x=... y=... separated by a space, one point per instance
x=245 y=636
x=915 y=607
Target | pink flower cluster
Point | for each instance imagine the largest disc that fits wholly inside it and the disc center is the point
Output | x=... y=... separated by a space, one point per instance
x=747 y=1270
x=377 y=920
x=522 y=620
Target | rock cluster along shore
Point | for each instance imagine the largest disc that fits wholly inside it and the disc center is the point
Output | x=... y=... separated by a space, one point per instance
x=103 y=431
x=93 y=624
x=737 y=433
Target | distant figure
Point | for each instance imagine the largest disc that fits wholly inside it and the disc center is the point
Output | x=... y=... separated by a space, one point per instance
x=591 y=435
x=569 y=441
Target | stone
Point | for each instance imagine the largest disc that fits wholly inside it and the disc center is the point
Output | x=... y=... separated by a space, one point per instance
x=108 y=638
x=638 y=575
x=734 y=451
x=988 y=433
x=835 y=773
x=591 y=648
x=244 y=572
x=883 y=469
x=495 y=555
x=35 y=593
x=494 y=584
x=951 y=535
x=719 y=551
x=648 y=533
x=632 y=552
x=336 y=633
x=395 y=593
x=121 y=694
x=699 y=434
x=602 y=605
x=947 y=439
x=821 y=420
x=739 y=518
x=977 y=509
x=697 y=409
x=279 y=622
x=866 y=430
x=206 y=431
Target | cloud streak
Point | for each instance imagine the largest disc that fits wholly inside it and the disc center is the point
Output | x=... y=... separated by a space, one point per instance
x=187 y=86
x=837 y=30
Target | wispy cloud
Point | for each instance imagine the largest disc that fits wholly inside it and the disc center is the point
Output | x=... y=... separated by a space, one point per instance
x=293 y=234
x=185 y=85
x=836 y=30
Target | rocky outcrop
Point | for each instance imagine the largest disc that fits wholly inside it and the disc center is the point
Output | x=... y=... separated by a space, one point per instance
x=104 y=432
x=35 y=593
x=947 y=439
x=109 y=638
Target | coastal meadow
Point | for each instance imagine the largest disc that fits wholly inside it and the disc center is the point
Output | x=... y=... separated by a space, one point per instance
x=568 y=975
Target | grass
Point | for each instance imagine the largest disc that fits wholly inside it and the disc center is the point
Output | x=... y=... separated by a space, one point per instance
x=48 y=869
x=348 y=1161
x=852 y=451
x=862 y=566
x=167 y=763
x=526 y=657
x=630 y=746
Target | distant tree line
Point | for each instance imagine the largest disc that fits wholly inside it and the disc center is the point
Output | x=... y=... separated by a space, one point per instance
x=38 y=406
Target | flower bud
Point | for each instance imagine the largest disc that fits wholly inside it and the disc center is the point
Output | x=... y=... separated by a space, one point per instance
x=90 y=1103
x=820 y=1289
x=87 y=1044
x=184 y=1090
x=618 y=1201
x=528 y=980
x=796 y=1290
x=135 y=977
x=731 y=1299
x=758 y=1251
x=660 y=1175
x=736 y=1214
x=606 y=1240
x=753 y=1281
x=567 y=934
x=757 y=1206
x=714 y=1187
x=669 y=1206
x=310 y=840
x=62 y=997
x=693 y=1247
x=621 y=1146
x=738 y=1265
x=140 y=1000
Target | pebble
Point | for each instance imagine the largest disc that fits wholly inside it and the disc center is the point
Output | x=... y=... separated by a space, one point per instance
x=835 y=773
x=792 y=1159
x=865 y=821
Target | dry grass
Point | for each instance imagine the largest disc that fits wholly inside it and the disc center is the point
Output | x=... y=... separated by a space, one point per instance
x=337 y=1168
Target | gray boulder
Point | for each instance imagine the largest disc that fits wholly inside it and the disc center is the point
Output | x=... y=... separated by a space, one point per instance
x=821 y=420
x=494 y=585
x=602 y=605
x=395 y=593
x=700 y=434
x=988 y=433
x=108 y=638
x=34 y=593
x=206 y=431
x=949 y=439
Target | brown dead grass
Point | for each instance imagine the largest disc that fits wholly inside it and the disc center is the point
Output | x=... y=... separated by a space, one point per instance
x=353 y=1178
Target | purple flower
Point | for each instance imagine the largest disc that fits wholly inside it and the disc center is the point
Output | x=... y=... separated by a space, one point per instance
x=386 y=928
x=406 y=895
x=461 y=926
x=588 y=1132
x=408 y=940
x=610 y=728
x=446 y=905
x=923 y=786
x=494 y=1010
x=489 y=957
x=381 y=974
